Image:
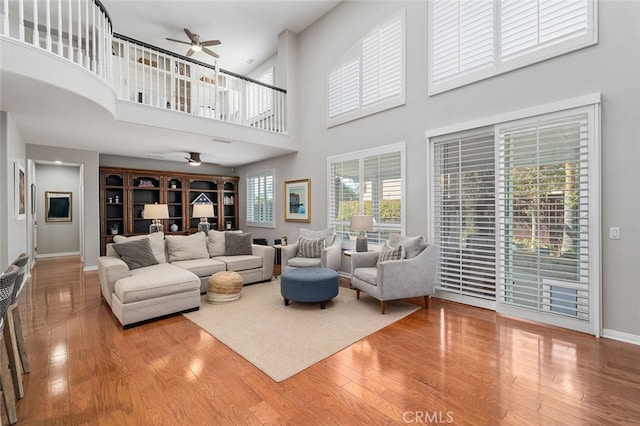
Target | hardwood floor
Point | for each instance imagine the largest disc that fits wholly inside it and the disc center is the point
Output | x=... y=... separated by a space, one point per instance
x=448 y=364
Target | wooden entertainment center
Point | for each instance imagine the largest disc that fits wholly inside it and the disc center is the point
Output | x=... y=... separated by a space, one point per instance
x=124 y=192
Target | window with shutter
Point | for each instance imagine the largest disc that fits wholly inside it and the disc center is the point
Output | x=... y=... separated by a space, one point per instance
x=260 y=207
x=515 y=210
x=475 y=39
x=546 y=211
x=370 y=77
x=367 y=182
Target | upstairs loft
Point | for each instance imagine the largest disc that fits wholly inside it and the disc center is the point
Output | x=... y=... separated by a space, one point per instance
x=71 y=45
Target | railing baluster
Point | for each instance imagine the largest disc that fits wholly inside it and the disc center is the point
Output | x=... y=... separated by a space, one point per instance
x=20 y=20
x=93 y=39
x=60 y=43
x=48 y=19
x=87 y=60
x=35 y=40
x=79 y=52
x=70 y=33
x=5 y=20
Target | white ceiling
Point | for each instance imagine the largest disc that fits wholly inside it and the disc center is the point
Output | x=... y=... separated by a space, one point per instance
x=247 y=29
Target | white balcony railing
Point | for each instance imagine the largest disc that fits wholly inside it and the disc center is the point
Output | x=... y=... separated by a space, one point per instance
x=80 y=31
x=77 y=30
x=152 y=76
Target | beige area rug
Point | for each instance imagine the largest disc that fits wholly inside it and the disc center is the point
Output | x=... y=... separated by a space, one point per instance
x=284 y=340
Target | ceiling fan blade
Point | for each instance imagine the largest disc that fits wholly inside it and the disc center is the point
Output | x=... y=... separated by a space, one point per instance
x=190 y=52
x=210 y=52
x=190 y=35
x=210 y=43
x=178 y=41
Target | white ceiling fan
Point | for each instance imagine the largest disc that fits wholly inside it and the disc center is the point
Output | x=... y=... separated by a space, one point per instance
x=196 y=44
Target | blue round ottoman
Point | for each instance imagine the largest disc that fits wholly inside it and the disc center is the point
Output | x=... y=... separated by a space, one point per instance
x=309 y=285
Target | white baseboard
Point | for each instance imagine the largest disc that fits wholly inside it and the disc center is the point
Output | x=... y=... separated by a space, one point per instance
x=68 y=253
x=623 y=337
x=90 y=268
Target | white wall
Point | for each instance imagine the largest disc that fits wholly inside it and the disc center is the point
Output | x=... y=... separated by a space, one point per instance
x=612 y=67
x=58 y=237
x=13 y=232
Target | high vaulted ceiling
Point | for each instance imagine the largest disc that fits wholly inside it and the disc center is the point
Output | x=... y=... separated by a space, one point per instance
x=248 y=30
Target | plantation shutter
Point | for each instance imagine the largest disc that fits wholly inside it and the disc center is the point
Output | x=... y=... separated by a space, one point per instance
x=370 y=76
x=381 y=193
x=534 y=24
x=464 y=216
x=260 y=199
x=382 y=68
x=462 y=38
x=544 y=198
x=367 y=182
x=344 y=88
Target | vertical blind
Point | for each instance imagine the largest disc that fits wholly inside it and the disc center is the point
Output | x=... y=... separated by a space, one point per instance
x=260 y=199
x=474 y=39
x=544 y=196
x=370 y=73
x=464 y=214
x=369 y=182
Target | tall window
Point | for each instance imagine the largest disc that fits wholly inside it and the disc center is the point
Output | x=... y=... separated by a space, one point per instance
x=367 y=182
x=260 y=199
x=370 y=77
x=515 y=212
x=475 y=39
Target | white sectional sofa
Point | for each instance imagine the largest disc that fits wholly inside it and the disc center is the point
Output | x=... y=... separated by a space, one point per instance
x=150 y=276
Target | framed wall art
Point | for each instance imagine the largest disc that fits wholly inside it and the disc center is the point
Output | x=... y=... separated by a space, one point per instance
x=58 y=206
x=297 y=200
x=20 y=191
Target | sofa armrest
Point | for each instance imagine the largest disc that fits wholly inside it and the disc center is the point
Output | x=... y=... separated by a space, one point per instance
x=268 y=254
x=110 y=270
x=364 y=259
x=289 y=251
x=331 y=257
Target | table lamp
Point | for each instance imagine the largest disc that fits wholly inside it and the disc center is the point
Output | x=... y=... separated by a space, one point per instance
x=361 y=223
x=155 y=212
x=203 y=211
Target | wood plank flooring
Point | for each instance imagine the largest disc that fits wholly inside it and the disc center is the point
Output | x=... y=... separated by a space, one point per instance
x=447 y=364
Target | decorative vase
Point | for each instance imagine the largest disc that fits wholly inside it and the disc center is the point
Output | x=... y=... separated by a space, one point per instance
x=114 y=232
x=173 y=227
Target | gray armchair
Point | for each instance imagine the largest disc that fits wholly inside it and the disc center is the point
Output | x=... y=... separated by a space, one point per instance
x=330 y=256
x=396 y=279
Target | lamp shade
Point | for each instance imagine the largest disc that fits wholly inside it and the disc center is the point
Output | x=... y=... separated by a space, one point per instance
x=202 y=210
x=155 y=211
x=362 y=222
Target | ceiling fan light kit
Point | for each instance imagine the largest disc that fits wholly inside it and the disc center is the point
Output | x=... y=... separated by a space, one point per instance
x=194 y=159
x=196 y=45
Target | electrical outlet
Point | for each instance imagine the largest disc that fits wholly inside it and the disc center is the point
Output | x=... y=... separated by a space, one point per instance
x=614 y=233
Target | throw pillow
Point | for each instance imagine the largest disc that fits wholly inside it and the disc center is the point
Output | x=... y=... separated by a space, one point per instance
x=391 y=253
x=187 y=247
x=156 y=241
x=237 y=244
x=328 y=234
x=136 y=253
x=310 y=247
x=412 y=245
x=216 y=243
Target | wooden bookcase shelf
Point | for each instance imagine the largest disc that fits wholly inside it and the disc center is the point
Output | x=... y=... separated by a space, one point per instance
x=124 y=192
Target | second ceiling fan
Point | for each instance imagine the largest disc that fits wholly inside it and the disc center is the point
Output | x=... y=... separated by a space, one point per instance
x=197 y=45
